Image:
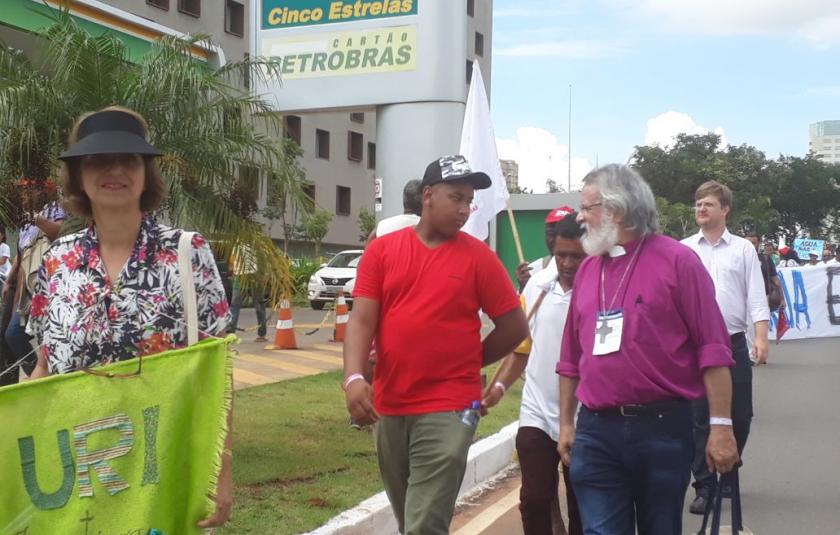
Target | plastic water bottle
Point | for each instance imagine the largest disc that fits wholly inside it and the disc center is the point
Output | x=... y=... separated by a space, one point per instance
x=470 y=416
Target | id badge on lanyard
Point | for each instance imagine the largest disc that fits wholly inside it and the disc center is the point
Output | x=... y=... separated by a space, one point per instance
x=608 y=331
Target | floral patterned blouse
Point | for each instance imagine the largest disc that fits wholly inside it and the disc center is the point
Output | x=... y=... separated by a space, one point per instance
x=80 y=318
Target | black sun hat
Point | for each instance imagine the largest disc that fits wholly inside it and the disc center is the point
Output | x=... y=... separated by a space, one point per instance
x=452 y=169
x=110 y=132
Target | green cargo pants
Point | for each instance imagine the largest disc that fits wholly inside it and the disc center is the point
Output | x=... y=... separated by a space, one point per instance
x=422 y=460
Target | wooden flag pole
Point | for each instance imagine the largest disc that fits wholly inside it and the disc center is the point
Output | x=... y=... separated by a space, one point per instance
x=515 y=231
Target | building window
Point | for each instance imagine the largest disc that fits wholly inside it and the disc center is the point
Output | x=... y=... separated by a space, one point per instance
x=342 y=200
x=291 y=124
x=162 y=4
x=358 y=118
x=355 y=146
x=479 y=44
x=190 y=7
x=234 y=18
x=309 y=191
x=471 y=8
x=371 y=155
x=469 y=70
x=322 y=144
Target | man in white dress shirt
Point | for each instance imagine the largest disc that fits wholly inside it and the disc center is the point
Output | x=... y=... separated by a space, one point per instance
x=735 y=269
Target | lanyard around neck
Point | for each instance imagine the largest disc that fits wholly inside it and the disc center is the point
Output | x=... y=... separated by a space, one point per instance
x=628 y=270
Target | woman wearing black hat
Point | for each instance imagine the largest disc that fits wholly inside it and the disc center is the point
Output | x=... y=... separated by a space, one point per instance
x=113 y=291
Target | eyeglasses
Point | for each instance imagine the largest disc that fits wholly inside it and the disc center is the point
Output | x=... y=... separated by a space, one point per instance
x=105 y=161
x=589 y=207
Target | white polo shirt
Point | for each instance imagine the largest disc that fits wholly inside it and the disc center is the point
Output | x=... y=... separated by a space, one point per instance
x=541 y=395
x=736 y=271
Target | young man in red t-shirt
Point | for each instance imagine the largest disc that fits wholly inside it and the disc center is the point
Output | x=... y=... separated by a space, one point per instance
x=419 y=291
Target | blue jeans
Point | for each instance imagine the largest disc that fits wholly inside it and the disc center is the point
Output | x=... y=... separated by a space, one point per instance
x=742 y=413
x=18 y=342
x=236 y=298
x=632 y=471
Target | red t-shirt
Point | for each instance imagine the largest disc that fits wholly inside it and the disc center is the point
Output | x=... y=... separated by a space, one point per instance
x=428 y=343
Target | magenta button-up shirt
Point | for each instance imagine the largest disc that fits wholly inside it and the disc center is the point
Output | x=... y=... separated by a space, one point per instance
x=673 y=328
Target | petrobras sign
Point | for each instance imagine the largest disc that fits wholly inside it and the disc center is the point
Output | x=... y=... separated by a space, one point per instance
x=361 y=53
x=291 y=13
x=327 y=54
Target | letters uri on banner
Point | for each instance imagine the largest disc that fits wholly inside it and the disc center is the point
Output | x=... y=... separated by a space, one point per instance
x=89 y=454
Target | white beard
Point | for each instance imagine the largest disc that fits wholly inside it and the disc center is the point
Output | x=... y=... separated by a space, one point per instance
x=597 y=241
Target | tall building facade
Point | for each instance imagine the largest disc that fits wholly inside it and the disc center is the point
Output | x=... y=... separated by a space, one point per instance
x=824 y=142
x=339 y=148
x=510 y=170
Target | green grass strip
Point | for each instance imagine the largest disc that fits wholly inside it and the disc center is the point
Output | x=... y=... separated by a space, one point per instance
x=297 y=463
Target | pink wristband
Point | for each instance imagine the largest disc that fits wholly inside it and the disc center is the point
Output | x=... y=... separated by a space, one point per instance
x=502 y=386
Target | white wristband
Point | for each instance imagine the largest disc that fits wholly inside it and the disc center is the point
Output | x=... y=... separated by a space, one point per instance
x=714 y=420
x=350 y=379
x=501 y=385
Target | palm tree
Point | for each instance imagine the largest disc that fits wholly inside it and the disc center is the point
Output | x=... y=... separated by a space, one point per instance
x=210 y=130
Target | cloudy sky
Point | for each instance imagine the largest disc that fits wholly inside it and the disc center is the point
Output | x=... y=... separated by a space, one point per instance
x=753 y=71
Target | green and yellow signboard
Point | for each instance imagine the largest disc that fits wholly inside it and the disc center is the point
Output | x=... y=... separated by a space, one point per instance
x=344 y=53
x=278 y=14
x=127 y=454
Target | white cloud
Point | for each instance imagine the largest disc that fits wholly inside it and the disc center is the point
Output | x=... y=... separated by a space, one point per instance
x=816 y=22
x=540 y=157
x=662 y=130
x=582 y=49
x=824 y=91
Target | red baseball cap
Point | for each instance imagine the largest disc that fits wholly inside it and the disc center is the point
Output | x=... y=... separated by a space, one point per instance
x=559 y=214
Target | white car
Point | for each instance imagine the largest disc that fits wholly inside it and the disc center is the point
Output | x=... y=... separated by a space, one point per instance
x=337 y=274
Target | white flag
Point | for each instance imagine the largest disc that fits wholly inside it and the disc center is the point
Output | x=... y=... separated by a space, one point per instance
x=478 y=146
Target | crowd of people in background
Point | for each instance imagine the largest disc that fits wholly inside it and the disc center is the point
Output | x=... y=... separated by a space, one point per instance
x=653 y=340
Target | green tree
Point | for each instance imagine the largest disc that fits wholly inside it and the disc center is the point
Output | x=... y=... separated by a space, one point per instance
x=551 y=186
x=367 y=222
x=786 y=196
x=207 y=127
x=806 y=195
x=315 y=227
x=287 y=197
x=675 y=219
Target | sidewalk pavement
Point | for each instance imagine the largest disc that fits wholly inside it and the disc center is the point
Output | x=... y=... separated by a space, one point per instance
x=256 y=363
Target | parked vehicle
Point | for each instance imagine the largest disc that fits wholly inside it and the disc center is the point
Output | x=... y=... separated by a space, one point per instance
x=337 y=274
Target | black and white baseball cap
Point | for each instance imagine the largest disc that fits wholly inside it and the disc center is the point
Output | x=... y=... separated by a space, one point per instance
x=454 y=169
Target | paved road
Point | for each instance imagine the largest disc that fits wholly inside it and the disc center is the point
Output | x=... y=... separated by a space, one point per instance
x=791 y=475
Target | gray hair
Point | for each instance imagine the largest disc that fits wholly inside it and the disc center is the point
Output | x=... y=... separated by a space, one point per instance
x=624 y=192
x=413 y=197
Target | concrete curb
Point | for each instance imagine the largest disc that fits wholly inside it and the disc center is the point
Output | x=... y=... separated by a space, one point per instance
x=487 y=457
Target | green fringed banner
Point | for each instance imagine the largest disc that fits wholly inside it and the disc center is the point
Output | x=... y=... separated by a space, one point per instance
x=94 y=455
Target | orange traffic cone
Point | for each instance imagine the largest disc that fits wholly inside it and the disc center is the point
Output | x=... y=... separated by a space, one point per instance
x=284 y=337
x=342 y=316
